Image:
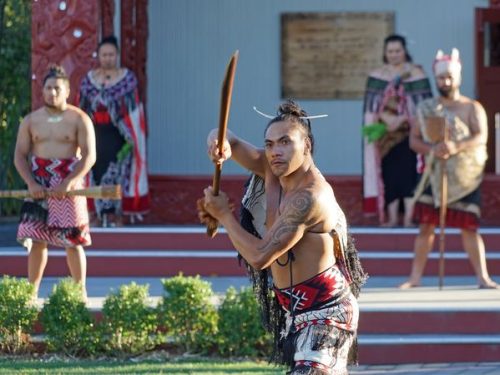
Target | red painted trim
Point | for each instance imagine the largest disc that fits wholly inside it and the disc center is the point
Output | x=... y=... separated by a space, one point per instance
x=146 y=241
x=171 y=207
x=425 y=353
x=199 y=241
x=429 y=322
x=163 y=266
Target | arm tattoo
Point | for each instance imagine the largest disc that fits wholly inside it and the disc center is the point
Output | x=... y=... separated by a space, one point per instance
x=295 y=214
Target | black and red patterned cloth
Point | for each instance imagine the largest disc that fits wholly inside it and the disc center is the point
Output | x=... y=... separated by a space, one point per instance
x=61 y=222
x=326 y=287
x=325 y=320
x=393 y=176
x=120 y=128
x=464 y=213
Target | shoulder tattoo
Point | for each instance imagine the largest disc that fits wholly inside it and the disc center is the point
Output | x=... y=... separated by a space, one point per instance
x=295 y=214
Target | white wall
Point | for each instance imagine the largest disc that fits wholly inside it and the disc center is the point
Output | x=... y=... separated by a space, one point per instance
x=190 y=42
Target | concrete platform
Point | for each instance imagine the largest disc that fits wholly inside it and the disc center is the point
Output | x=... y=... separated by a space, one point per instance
x=379 y=293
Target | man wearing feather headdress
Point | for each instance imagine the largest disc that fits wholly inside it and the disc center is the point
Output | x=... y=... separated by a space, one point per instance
x=465 y=155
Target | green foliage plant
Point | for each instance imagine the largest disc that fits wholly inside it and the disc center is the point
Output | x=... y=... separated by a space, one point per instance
x=188 y=313
x=374 y=132
x=68 y=324
x=129 y=323
x=240 y=330
x=17 y=314
x=15 y=92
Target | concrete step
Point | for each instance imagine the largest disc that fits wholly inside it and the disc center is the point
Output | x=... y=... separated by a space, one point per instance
x=454 y=309
x=195 y=238
x=166 y=251
x=159 y=262
x=407 y=349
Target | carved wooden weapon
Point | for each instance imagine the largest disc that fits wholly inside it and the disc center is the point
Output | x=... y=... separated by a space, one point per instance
x=225 y=105
x=442 y=210
x=113 y=192
x=437 y=132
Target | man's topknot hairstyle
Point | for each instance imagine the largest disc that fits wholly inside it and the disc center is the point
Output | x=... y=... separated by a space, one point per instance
x=56 y=71
x=291 y=111
x=110 y=39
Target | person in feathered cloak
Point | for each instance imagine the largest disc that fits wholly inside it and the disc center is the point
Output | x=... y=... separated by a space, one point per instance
x=109 y=95
x=389 y=165
x=464 y=152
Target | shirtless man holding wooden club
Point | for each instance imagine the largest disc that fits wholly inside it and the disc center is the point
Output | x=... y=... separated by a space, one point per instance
x=55 y=149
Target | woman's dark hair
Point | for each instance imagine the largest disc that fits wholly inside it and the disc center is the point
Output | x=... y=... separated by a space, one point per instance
x=57 y=72
x=110 y=39
x=291 y=111
x=400 y=39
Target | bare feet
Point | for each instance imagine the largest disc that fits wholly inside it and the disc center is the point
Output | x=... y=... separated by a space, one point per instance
x=408 y=285
x=489 y=284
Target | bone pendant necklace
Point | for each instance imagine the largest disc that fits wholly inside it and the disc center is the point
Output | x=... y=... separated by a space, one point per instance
x=54 y=118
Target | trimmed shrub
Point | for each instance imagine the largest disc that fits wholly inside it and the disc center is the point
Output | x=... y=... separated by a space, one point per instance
x=17 y=313
x=188 y=314
x=240 y=330
x=129 y=323
x=67 y=322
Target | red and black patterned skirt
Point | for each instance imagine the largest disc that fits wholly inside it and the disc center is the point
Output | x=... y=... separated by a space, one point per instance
x=463 y=214
x=61 y=222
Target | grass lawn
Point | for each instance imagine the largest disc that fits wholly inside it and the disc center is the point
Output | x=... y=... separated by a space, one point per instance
x=55 y=366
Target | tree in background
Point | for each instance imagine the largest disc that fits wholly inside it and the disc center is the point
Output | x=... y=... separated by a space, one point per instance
x=15 y=89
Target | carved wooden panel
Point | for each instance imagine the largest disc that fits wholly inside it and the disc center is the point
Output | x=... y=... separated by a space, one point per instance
x=329 y=55
x=494 y=3
x=107 y=17
x=134 y=38
x=65 y=33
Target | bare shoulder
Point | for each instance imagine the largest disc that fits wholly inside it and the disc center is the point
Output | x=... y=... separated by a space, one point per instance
x=78 y=114
x=303 y=200
x=34 y=117
x=324 y=205
x=478 y=113
x=325 y=195
x=477 y=106
x=470 y=104
x=28 y=120
x=417 y=71
x=315 y=199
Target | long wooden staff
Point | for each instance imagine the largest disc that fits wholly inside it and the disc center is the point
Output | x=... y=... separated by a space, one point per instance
x=112 y=192
x=442 y=209
x=225 y=105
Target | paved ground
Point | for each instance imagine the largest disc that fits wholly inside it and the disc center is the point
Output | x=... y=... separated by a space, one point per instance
x=378 y=291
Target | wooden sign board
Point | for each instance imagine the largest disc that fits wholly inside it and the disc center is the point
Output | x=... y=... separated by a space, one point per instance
x=329 y=55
